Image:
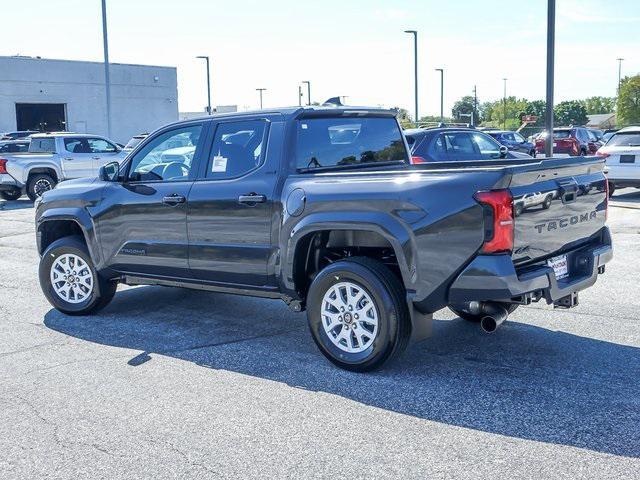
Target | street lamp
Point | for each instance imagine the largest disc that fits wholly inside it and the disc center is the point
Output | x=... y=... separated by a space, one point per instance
x=415 y=67
x=504 y=105
x=308 y=91
x=107 y=82
x=206 y=58
x=551 y=43
x=619 y=72
x=260 y=90
x=441 y=93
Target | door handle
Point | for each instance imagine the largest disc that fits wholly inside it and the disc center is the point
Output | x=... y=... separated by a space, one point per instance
x=252 y=198
x=96 y=158
x=173 y=200
x=68 y=158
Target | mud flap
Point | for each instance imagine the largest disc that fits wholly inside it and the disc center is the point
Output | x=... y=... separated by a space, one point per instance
x=421 y=323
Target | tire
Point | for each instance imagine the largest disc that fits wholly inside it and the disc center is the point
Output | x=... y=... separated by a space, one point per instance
x=11 y=194
x=612 y=188
x=38 y=184
x=387 y=340
x=547 y=203
x=459 y=310
x=533 y=153
x=98 y=296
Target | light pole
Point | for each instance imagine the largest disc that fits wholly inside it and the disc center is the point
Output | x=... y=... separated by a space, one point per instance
x=206 y=58
x=299 y=95
x=504 y=105
x=551 y=43
x=415 y=67
x=441 y=93
x=475 y=106
x=260 y=90
x=107 y=83
x=308 y=91
x=619 y=72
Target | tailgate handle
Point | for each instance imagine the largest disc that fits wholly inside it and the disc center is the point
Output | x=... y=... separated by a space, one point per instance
x=569 y=191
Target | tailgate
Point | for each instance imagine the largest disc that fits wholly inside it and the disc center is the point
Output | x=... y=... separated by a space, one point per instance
x=558 y=205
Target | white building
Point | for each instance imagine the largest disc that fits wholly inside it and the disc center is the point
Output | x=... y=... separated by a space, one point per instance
x=52 y=95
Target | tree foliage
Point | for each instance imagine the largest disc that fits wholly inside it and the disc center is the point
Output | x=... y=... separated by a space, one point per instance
x=628 y=106
x=570 y=112
x=595 y=105
x=462 y=110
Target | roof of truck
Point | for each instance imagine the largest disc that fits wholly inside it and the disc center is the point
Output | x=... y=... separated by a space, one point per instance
x=292 y=112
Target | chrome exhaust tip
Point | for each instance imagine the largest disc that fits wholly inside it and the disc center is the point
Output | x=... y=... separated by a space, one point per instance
x=494 y=316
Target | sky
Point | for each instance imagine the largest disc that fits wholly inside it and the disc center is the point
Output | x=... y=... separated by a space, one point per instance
x=355 y=48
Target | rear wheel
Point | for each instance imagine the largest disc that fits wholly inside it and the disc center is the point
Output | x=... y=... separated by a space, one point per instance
x=612 y=188
x=69 y=279
x=11 y=194
x=533 y=153
x=358 y=314
x=38 y=184
x=463 y=312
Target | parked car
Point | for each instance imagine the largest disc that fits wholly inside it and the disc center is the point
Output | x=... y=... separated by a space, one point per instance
x=17 y=135
x=135 y=141
x=622 y=157
x=447 y=144
x=567 y=140
x=513 y=141
x=14 y=146
x=52 y=158
x=331 y=218
x=595 y=142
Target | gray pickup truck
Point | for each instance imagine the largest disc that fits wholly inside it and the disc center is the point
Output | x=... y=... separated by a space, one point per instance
x=52 y=158
x=321 y=207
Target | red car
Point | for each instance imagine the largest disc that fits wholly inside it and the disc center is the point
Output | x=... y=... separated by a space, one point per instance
x=569 y=140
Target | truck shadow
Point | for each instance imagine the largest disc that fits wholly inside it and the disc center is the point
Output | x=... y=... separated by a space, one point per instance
x=15 y=204
x=525 y=381
x=626 y=196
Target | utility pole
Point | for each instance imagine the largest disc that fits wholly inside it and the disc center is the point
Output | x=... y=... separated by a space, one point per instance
x=260 y=90
x=415 y=68
x=107 y=82
x=206 y=58
x=441 y=93
x=504 y=105
x=475 y=107
x=619 y=73
x=308 y=91
x=551 y=43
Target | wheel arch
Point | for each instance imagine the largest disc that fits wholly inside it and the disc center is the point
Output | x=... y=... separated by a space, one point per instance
x=58 y=223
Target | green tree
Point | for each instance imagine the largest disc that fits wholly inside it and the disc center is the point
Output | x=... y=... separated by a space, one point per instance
x=462 y=110
x=403 y=117
x=595 y=105
x=570 y=113
x=628 y=105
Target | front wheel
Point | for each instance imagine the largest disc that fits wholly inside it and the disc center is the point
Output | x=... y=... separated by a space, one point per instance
x=357 y=314
x=69 y=279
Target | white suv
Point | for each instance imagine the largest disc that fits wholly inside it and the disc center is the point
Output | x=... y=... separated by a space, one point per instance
x=622 y=156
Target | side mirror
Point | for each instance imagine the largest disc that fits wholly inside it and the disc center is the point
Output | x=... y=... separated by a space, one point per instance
x=503 y=151
x=109 y=172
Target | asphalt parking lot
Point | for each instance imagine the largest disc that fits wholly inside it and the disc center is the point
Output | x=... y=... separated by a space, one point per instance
x=169 y=383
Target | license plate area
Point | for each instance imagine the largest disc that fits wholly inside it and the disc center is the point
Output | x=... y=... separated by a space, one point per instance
x=627 y=159
x=560 y=266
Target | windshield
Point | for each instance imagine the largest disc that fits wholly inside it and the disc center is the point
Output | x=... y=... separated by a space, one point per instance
x=631 y=139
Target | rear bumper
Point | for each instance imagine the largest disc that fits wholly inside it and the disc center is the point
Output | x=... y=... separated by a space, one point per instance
x=494 y=277
x=7 y=182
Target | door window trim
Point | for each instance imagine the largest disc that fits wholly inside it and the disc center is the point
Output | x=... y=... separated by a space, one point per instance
x=202 y=172
x=196 y=156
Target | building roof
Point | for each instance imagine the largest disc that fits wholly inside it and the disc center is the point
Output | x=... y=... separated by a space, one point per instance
x=601 y=120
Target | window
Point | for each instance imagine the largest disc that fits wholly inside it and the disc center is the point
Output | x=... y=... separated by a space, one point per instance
x=561 y=133
x=14 y=148
x=508 y=136
x=518 y=138
x=460 y=146
x=237 y=148
x=329 y=142
x=630 y=139
x=438 y=151
x=488 y=148
x=167 y=157
x=43 y=145
x=100 y=145
x=76 y=145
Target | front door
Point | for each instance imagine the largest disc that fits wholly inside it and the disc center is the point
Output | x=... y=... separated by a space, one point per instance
x=143 y=224
x=230 y=205
x=103 y=152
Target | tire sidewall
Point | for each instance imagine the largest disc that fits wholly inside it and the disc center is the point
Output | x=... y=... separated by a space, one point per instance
x=387 y=334
x=55 y=250
x=32 y=183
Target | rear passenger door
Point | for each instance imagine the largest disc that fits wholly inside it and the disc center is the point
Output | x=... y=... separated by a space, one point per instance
x=230 y=204
x=77 y=159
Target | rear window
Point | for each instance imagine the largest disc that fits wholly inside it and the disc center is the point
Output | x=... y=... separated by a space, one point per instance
x=630 y=139
x=331 y=142
x=43 y=145
x=561 y=133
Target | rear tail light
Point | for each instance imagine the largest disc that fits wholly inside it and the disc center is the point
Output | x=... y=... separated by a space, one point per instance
x=417 y=160
x=498 y=232
x=3 y=165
